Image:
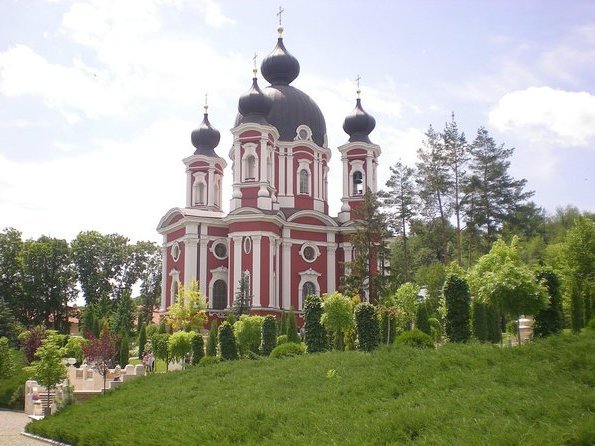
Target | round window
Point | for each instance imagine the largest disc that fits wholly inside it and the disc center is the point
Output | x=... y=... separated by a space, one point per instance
x=220 y=250
x=309 y=253
x=175 y=251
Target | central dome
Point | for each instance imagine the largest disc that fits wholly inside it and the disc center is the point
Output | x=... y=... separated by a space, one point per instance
x=290 y=109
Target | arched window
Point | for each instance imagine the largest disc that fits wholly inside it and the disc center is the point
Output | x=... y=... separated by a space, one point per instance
x=304 y=182
x=307 y=289
x=358 y=183
x=219 y=295
x=250 y=168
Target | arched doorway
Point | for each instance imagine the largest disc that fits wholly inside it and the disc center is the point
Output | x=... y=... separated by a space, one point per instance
x=219 y=295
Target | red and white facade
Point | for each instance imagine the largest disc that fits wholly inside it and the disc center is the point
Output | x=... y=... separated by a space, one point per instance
x=278 y=230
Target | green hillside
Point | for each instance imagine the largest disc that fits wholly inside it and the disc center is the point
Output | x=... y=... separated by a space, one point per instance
x=538 y=394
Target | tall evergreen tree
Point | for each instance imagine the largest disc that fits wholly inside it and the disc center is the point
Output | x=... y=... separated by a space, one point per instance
x=550 y=320
x=457 y=298
x=213 y=339
x=315 y=334
x=243 y=298
x=399 y=201
x=292 y=333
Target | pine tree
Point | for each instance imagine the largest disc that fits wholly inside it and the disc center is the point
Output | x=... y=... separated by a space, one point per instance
x=479 y=321
x=366 y=326
x=213 y=339
x=243 y=298
x=227 y=342
x=198 y=348
x=283 y=323
x=550 y=320
x=292 y=333
x=269 y=335
x=124 y=350
x=142 y=340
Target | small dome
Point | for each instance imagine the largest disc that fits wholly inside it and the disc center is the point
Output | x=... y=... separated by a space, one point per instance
x=280 y=67
x=205 y=138
x=254 y=105
x=359 y=124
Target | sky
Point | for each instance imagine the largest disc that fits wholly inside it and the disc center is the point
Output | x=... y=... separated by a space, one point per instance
x=98 y=98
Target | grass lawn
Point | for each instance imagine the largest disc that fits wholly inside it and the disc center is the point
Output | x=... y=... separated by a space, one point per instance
x=538 y=394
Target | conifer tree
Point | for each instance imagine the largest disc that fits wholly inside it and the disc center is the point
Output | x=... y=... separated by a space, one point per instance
x=198 y=348
x=142 y=340
x=124 y=350
x=292 y=333
x=457 y=298
x=269 y=335
x=479 y=321
x=366 y=326
x=213 y=339
x=283 y=323
x=550 y=320
x=315 y=335
x=227 y=342
x=243 y=298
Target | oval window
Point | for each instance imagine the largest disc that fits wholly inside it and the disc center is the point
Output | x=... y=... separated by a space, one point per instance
x=247 y=245
x=175 y=251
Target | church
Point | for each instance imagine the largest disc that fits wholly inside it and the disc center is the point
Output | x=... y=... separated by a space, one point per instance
x=278 y=233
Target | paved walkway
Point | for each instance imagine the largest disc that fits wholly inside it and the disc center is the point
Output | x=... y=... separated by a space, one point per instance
x=11 y=426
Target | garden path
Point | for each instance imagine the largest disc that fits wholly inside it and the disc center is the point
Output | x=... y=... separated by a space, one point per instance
x=11 y=425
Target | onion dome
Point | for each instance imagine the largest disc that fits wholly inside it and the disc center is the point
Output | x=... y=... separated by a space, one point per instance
x=280 y=67
x=254 y=105
x=359 y=124
x=205 y=138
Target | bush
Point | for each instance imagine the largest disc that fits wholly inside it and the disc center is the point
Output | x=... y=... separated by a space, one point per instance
x=208 y=360
x=292 y=332
x=248 y=333
x=9 y=387
x=227 y=342
x=388 y=326
x=315 y=334
x=366 y=326
x=180 y=344
x=549 y=320
x=457 y=298
x=435 y=329
x=282 y=340
x=213 y=339
x=415 y=338
x=7 y=367
x=150 y=330
x=479 y=321
x=269 y=335
x=198 y=348
x=591 y=324
x=142 y=340
x=421 y=319
x=511 y=327
x=288 y=349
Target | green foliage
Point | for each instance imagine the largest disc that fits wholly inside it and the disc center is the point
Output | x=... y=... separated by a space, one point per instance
x=198 y=348
x=292 y=332
x=479 y=321
x=549 y=320
x=213 y=339
x=269 y=335
x=209 y=360
x=337 y=316
x=243 y=298
x=591 y=324
x=435 y=329
x=288 y=349
x=248 y=334
x=421 y=319
x=123 y=319
x=188 y=311
x=180 y=345
x=494 y=331
x=405 y=302
x=142 y=340
x=415 y=338
x=74 y=348
x=366 y=325
x=283 y=329
x=314 y=332
x=124 y=355
x=9 y=327
x=7 y=367
x=160 y=343
x=11 y=388
x=227 y=342
x=457 y=298
x=431 y=277
x=282 y=339
x=151 y=329
x=30 y=341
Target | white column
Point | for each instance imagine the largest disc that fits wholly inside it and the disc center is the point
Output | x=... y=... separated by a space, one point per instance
x=277 y=272
x=331 y=264
x=163 y=274
x=202 y=280
x=286 y=296
x=316 y=177
x=347 y=250
x=237 y=264
x=211 y=187
x=271 y=272
x=190 y=260
x=289 y=173
x=282 y=180
x=256 y=270
x=345 y=176
x=263 y=161
x=237 y=162
x=188 y=188
x=369 y=178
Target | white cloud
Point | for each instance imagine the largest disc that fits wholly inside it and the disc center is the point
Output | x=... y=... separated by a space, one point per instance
x=547 y=116
x=213 y=15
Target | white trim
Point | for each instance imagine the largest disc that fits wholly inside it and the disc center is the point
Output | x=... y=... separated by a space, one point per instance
x=303 y=129
x=219 y=241
x=237 y=262
x=163 y=275
x=307 y=276
x=220 y=273
x=286 y=280
x=204 y=261
x=256 y=239
x=175 y=280
x=250 y=151
x=175 y=251
x=331 y=264
x=314 y=247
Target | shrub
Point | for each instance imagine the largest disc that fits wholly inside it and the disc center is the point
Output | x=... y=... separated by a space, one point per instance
x=492 y=324
x=248 y=333
x=388 y=325
x=227 y=342
x=591 y=324
x=511 y=327
x=142 y=340
x=421 y=319
x=283 y=324
x=282 y=340
x=269 y=335
x=366 y=326
x=457 y=298
x=213 y=339
x=7 y=367
x=150 y=330
x=288 y=349
x=208 y=360
x=315 y=333
x=160 y=347
x=292 y=331
x=550 y=320
x=198 y=348
x=415 y=338
x=435 y=329
x=180 y=344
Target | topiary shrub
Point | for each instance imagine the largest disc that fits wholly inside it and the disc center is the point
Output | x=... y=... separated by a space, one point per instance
x=213 y=339
x=208 y=360
x=227 y=342
x=457 y=298
x=198 y=348
x=415 y=338
x=292 y=331
x=366 y=326
x=315 y=334
x=269 y=335
x=248 y=333
x=288 y=349
x=282 y=340
x=421 y=319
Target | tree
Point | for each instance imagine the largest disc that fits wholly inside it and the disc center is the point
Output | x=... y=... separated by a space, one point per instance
x=243 y=298
x=142 y=340
x=160 y=342
x=549 y=320
x=179 y=345
x=399 y=200
x=6 y=362
x=188 y=312
x=366 y=326
x=49 y=281
x=269 y=335
x=198 y=348
x=100 y=352
x=11 y=272
x=431 y=277
x=500 y=279
x=30 y=341
x=48 y=370
x=369 y=245
x=457 y=298
x=405 y=302
x=125 y=314
x=227 y=342
x=213 y=339
x=498 y=194
x=149 y=255
x=292 y=332
x=422 y=322
x=337 y=316
x=479 y=321
x=248 y=334
x=124 y=355
x=314 y=332
x=9 y=327
x=283 y=324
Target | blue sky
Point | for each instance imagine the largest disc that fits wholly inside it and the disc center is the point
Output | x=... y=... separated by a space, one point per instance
x=98 y=98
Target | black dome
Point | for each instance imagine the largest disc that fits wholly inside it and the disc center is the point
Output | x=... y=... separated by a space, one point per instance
x=280 y=67
x=205 y=138
x=291 y=108
x=359 y=124
x=254 y=105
